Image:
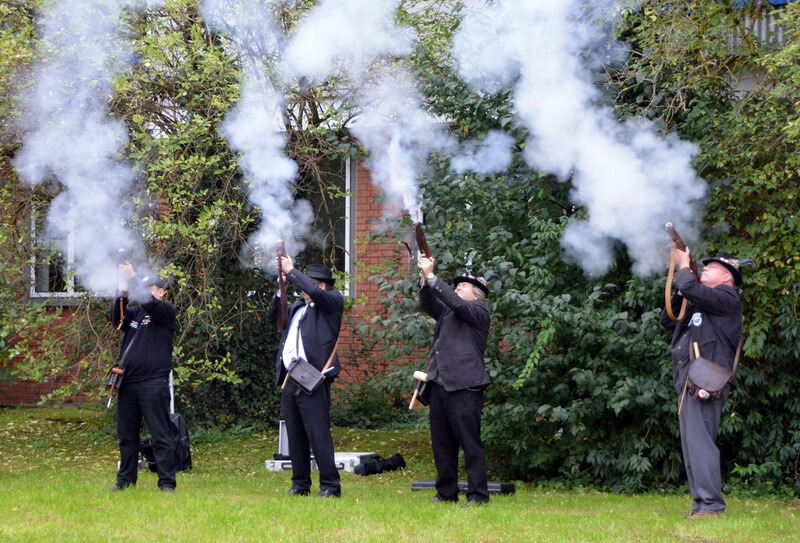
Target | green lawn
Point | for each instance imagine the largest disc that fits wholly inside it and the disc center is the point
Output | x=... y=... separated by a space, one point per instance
x=57 y=465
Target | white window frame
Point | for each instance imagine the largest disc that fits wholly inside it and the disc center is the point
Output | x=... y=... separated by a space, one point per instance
x=68 y=270
x=348 y=226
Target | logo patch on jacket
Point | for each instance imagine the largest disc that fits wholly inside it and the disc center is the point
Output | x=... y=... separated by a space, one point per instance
x=145 y=321
x=697 y=319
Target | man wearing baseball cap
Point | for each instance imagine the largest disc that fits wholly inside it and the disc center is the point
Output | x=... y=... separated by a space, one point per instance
x=713 y=321
x=149 y=329
x=456 y=379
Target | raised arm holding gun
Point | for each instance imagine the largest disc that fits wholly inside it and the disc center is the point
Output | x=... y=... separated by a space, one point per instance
x=680 y=256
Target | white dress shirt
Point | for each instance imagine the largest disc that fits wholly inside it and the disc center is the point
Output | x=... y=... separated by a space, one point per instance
x=293 y=348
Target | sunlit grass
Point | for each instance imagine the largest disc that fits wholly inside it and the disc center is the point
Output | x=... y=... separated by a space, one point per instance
x=57 y=465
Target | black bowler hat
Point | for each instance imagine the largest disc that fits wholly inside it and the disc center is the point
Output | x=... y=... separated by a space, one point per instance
x=472 y=279
x=151 y=280
x=732 y=264
x=321 y=273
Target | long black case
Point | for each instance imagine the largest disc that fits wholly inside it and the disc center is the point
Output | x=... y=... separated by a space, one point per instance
x=494 y=488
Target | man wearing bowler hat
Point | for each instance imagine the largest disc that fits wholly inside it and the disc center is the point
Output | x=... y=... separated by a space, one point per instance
x=312 y=334
x=713 y=320
x=149 y=330
x=456 y=379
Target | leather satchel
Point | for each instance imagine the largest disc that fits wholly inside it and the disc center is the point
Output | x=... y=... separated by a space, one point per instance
x=710 y=376
x=305 y=375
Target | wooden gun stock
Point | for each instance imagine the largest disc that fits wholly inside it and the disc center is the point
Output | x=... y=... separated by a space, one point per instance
x=679 y=244
x=283 y=310
x=422 y=243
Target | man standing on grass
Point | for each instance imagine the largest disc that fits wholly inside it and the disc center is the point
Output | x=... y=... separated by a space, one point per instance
x=456 y=379
x=714 y=322
x=146 y=348
x=312 y=335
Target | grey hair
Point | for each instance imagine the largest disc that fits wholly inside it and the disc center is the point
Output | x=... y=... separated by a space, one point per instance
x=479 y=294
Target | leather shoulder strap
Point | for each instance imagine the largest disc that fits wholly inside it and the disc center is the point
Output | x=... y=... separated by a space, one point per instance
x=333 y=353
x=737 y=355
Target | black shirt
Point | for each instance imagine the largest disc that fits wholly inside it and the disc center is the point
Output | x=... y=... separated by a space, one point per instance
x=153 y=326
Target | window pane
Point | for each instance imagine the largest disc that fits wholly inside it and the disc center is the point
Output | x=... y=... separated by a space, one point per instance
x=323 y=185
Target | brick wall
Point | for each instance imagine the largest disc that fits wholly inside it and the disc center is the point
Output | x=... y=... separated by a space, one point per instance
x=357 y=361
x=20 y=392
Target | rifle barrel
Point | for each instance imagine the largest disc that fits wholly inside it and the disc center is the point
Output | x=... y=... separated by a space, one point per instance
x=675 y=236
x=283 y=310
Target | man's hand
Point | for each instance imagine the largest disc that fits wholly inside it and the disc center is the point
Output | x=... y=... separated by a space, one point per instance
x=682 y=258
x=286 y=264
x=425 y=265
x=126 y=270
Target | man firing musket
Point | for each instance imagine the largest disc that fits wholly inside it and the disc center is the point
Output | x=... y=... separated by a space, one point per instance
x=146 y=362
x=456 y=376
x=707 y=333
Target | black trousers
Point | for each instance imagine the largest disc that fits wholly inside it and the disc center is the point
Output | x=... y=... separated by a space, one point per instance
x=148 y=400
x=308 y=424
x=456 y=422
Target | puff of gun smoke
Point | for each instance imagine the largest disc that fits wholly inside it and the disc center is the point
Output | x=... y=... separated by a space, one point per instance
x=379 y=466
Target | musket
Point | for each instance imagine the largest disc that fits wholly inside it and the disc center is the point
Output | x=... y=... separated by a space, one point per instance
x=114 y=379
x=680 y=245
x=422 y=243
x=283 y=309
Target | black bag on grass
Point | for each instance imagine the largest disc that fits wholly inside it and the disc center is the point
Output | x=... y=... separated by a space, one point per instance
x=180 y=446
x=179 y=438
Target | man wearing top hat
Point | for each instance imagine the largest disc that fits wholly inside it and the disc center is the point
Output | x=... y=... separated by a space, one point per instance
x=149 y=330
x=714 y=321
x=456 y=379
x=312 y=334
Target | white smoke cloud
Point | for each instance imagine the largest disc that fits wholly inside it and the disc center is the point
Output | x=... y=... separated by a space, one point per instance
x=70 y=137
x=254 y=127
x=491 y=155
x=400 y=136
x=630 y=179
x=362 y=41
x=346 y=36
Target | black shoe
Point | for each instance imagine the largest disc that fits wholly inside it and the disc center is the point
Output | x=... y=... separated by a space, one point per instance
x=168 y=489
x=329 y=493
x=439 y=498
x=117 y=487
x=474 y=503
x=297 y=491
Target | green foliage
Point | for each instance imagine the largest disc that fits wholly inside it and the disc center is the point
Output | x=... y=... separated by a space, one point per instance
x=371 y=403
x=582 y=386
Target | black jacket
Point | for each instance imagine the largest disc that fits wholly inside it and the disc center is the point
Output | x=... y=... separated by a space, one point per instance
x=150 y=356
x=319 y=327
x=459 y=339
x=713 y=319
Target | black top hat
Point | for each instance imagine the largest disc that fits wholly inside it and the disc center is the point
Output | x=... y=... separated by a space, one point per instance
x=150 y=280
x=732 y=264
x=321 y=273
x=472 y=279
